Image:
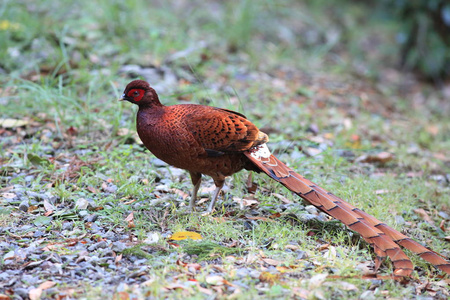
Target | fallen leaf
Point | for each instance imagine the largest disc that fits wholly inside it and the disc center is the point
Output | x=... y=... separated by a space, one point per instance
x=214 y=280
x=182 y=235
x=48 y=206
x=118 y=259
x=292 y=247
x=122 y=295
x=12 y=123
x=424 y=215
x=269 y=277
x=92 y=190
x=442 y=226
x=8 y=195
x=324 y=247
x=180 y=193
x=245 y=202
x=46 y=285
x=310 y=151
x=282 y=198
x=382 y=157
x=271 y=262
x=35 y=294
x=317 y=280
x=32 y=208
x=130 y=220
x=432 y=129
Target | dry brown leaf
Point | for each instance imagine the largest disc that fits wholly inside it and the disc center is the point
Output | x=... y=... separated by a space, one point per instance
x=174 y=286
x=260 y=218
x=215 y=280
x=245 y=202
x=382 y=157
x=292 y=247
x=310 y=151
x=35 y=294
x=442 y=226
x=194 y=266
x=8 y=195
x=179 y=192
x=32 y=208
x=324 y=247
x=46 y=285
x=269 y=277
x=92 y=190
x=424 y=215
x=271 y=262
x=130 y=220
x=432 y=129
x=220 y=219
x=208 y=189
x=48 y=206
x=282 y=198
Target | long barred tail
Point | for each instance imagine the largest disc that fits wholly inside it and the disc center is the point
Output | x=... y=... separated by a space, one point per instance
x=383 y=238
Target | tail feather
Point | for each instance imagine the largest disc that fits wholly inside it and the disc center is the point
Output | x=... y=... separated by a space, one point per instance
x=429 y=255
x=383 y=238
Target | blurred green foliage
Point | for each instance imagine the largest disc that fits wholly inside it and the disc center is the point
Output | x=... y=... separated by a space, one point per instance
x=424 y=35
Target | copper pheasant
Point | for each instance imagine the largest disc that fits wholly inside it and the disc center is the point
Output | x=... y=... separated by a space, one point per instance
x=218 y=142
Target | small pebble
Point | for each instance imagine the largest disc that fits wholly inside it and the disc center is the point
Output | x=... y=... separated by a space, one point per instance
x=38 y=233
x=98 y=245
x=90 y=218
x=118 y=246
x=23 y=206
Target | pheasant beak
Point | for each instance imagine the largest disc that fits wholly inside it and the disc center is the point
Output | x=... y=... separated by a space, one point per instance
x=122 y=98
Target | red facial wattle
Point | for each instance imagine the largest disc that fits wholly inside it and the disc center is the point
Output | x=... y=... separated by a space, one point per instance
x=136 y=94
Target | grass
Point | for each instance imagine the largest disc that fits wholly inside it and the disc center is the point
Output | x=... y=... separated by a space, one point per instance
x=289 y=66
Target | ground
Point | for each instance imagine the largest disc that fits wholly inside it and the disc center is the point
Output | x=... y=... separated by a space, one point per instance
x=86 y=212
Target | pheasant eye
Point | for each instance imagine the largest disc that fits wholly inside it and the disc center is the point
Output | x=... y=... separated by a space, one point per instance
x=136 y=94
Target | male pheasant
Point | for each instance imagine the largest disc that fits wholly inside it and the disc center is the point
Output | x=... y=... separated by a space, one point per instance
x=219 y=142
